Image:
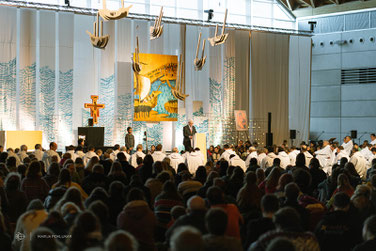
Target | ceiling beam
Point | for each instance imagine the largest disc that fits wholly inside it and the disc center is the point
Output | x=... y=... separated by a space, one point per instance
x=341 y=6
x=313 y=3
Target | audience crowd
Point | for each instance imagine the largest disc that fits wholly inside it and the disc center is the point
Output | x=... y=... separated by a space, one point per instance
x=318 y=196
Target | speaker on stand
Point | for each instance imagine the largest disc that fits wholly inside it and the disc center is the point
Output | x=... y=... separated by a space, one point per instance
x=292 y=136
x=269 y=134
x=90 y=122
x=354 y=134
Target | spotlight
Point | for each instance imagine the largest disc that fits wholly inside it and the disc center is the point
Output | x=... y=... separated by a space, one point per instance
x=67 y=2
x=210 y=14
x=312 y=25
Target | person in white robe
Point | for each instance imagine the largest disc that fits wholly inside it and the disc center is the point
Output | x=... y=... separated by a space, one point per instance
x=369 y=164
x=72 y=153
x=366 y=152
x=307 y=154
x=23 y=152
x=226 y=154
x=175 y=158
x=252 y=154
x=339 y=154
x=194 y=160
x=235 y=160
x=292 y=155
x=268 y=160
x=324 y=156
x=11 y=153
x=360 y=163
x=261 y=155
x=373 y=139
x=79 y=152
x=158 y=154
x=113 y=155
x=348 y=145
x=137 y=154
x=123 y=149
x=284 y=157
x=38 y=153
x=90 y=154
x=47 y=156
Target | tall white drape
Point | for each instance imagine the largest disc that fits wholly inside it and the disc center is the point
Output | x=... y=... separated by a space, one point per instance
x=270 y=84
x=299 y=86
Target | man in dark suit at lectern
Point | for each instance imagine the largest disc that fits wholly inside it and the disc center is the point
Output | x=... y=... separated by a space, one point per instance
x=189 y=131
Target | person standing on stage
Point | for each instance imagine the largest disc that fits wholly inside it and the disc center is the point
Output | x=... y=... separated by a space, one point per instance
x=189 y=131
x=129 y=139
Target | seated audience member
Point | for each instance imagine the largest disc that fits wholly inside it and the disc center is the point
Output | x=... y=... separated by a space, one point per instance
x=340 y=229
x=17 y=201
x=69 y=211
x=215 y=197
x=33 y=185
x=117 y=174
x=165 y=201
x=209 y=182
x=127 y=168
x=343 y=185
x=98 y=194
x=258 y=227
x=188 y=187
x=291 y=200
x=369 y=235
x=52 y=174
x=187 y=239
x=195 y=217
x=66 y=181
x=69 y=164
x=35 y=214
x=86 y=232
x=116 y=200
x=71 y=195
x=45 y=243
x=361 y=201
x=216 y=240
x=288 y=226
x=121 y=240
x=101 y=211
x=235 y=182
x=95 y=179
x=249 y=196
x=138 y=219
x=269 y=185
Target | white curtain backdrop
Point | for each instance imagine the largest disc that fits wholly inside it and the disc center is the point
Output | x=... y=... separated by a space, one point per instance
x=49 y=69
x=299 y=86
x=269 y=86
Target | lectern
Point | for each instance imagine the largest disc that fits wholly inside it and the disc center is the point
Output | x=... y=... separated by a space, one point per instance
x=94 y=136
x=199 y=141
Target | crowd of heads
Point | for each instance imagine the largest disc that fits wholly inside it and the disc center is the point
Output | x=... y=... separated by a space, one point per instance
x=74 y=202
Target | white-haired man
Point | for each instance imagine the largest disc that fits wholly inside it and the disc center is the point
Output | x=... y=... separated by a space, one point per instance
x=188 y=132
x=252 y=154
x=176 y=158
x=137 y=154
x=23 y=152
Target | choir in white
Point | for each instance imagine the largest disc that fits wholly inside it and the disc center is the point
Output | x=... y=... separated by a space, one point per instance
x=328 y=154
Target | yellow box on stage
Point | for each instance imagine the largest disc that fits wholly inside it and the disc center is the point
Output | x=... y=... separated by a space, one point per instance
x=14 y=139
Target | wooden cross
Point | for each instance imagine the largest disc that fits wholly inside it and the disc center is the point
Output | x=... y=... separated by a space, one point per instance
x=94 y=108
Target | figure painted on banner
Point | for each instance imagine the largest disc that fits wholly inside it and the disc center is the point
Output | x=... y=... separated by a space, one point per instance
x=129 y=139
x=241 y=120
x=189 y=131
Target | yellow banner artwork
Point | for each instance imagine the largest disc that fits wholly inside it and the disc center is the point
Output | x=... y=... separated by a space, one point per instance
x=153 y=86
